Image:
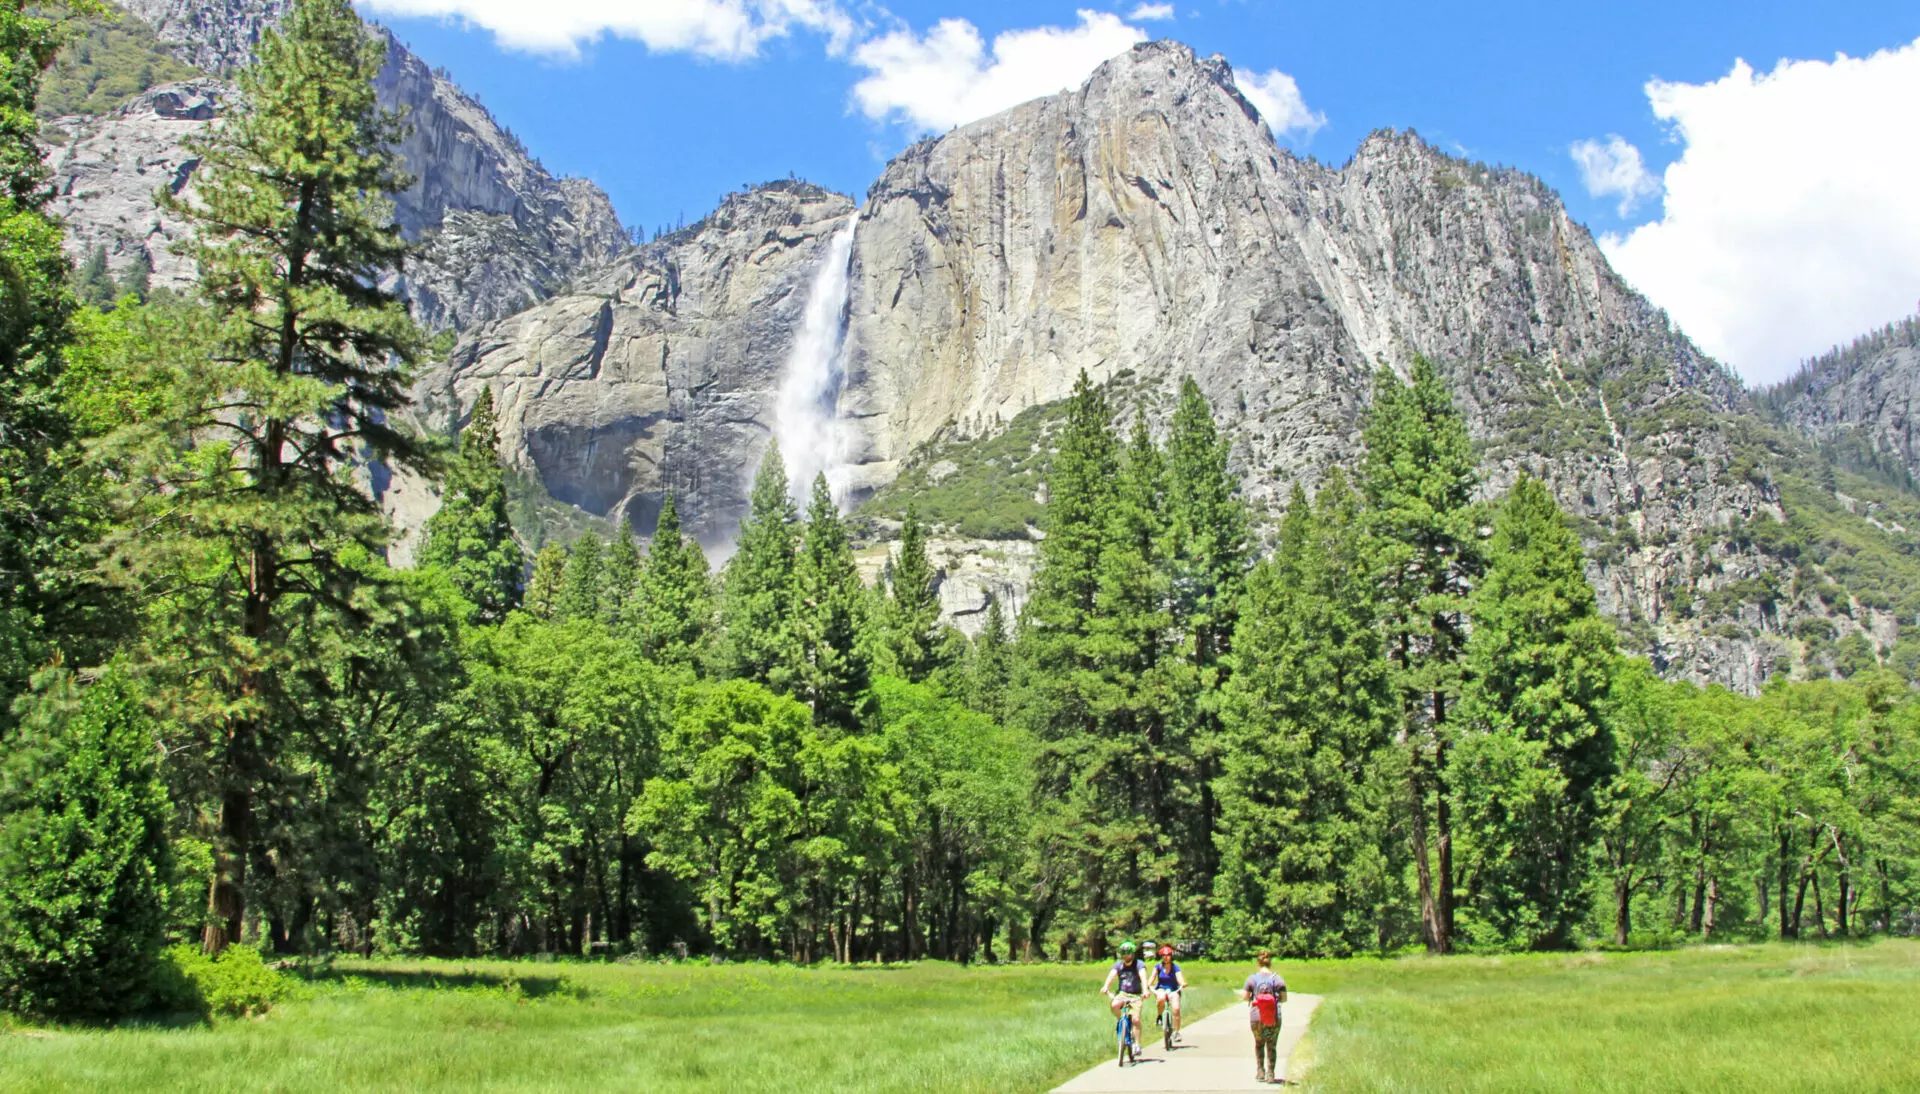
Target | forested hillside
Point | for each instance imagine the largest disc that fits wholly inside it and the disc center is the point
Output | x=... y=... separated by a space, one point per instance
x=231 y=724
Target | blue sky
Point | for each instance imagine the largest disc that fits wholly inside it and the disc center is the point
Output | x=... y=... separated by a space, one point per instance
x=667 y=128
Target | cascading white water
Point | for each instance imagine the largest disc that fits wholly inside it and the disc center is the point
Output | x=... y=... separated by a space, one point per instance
x=806 y=419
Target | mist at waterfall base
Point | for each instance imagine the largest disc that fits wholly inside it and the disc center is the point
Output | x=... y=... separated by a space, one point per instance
x=806 y=418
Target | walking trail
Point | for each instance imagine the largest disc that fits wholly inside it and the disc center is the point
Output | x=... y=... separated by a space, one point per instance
x=1215 y=1054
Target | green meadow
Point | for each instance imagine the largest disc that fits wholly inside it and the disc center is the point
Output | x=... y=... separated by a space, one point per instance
x=1760 y=1018
x=523 y=1026
x=1757 y=1018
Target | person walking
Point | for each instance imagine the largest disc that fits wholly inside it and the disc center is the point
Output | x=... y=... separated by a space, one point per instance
x=1264 y=991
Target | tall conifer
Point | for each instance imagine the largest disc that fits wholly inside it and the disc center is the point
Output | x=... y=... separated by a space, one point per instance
x=1537 y=744
x=1207 y=555
x=830 y=618
x=757 y=593
x=620 y=582
x=548 y=583
x=243 y=474
x=582 y=587
x=675 y=608
x=471 y=536
x=1307 y=713
x=910 y=630
x=1419 y=477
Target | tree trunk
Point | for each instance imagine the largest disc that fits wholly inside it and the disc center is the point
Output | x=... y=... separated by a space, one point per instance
x=1622 y=910
x=1443 y=817
x=1422 y=862
x=1786 y=865
x=1713 y=904
x=226 y=897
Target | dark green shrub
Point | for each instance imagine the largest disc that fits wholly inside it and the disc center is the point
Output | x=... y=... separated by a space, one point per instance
x=84 y=857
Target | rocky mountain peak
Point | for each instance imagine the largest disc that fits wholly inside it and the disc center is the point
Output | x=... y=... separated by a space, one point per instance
x=499 y=233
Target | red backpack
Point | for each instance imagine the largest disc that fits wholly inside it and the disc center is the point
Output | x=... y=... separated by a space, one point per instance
x=1266 y=1000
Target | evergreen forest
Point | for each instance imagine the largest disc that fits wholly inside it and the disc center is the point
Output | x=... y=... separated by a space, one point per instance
x=1398 y=720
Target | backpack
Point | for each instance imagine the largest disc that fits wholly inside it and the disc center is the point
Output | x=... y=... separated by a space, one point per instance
x=1266 y=1001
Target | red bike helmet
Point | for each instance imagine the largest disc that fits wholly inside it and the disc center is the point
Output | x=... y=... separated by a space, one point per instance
x=1166 y=951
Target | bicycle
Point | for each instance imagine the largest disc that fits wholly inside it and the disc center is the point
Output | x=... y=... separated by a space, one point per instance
x=1129 y=1052
x=1167 y=1033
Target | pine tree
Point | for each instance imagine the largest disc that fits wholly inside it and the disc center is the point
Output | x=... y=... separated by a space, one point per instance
x=471 y=536
x=584 y=582
x=831 y=619
x=245 y=471
x=676 y=596
x=620 y=582
x=1307 y=716
x=1538 y=744
x=1057 y=686
x=93 y=281
x=1418 y=478
x=990 y=671
x=1206 y=556
x=911 y=631
x=39 y=521
x=548 y=582
x=1080 y=489
x=757 y=592
x=137 y=279
x=1136 y=784
x=84 y=856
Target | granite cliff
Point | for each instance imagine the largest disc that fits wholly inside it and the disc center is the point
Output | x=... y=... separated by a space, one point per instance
x=499 y=232
x=1143 y=227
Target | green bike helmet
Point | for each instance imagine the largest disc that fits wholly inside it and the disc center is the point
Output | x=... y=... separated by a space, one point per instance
x=1127 y=949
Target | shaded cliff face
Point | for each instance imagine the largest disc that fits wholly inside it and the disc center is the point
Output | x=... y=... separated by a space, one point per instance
x=1861 y=402
x=499 y=233
x=660 y=372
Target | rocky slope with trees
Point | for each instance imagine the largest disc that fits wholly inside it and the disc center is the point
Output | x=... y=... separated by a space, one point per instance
x=499 y=232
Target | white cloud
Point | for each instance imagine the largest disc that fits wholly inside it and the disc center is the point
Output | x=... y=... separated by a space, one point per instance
x=1614 y=169
x=949 y=77
x=728 y=30
x=1278 y=99
x=1792 y=218
x=1148 y=13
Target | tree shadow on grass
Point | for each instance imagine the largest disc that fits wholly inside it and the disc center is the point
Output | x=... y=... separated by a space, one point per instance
x=532 y=987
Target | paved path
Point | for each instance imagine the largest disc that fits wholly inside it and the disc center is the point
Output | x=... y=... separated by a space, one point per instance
x=1215 y=1055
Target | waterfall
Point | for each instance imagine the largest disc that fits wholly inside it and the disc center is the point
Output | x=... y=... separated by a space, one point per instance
x=806 y=419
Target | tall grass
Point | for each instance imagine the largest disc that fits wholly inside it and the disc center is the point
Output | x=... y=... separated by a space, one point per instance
x=1760 y=1018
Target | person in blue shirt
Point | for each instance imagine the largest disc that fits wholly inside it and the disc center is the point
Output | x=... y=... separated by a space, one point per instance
x=1168 y=983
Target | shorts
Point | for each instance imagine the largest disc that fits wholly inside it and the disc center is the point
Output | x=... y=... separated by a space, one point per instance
x=1123 y=998
x=1266 y=1035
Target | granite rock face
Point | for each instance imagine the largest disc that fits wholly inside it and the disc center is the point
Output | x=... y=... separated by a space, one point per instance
x=1142 y=228
x=1867 y=394
x=216 y=35
x=657 y=373
x=499 y=233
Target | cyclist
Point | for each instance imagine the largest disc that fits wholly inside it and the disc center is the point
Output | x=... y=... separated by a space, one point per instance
x=1168 y=983
x=1130 y=975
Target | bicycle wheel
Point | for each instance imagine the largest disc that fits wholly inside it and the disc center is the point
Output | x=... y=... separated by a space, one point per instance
x=1166 y=1029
